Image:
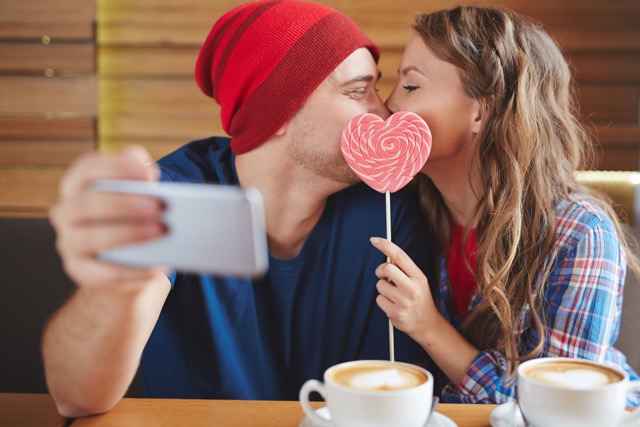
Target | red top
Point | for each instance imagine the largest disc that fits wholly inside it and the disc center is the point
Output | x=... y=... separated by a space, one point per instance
x=462 y=282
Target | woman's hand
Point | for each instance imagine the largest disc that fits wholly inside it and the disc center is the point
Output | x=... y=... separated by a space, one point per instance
x=406 y=299
x=405 y=296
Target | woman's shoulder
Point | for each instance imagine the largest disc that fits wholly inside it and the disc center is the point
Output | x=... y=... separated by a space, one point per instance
x=581 y=217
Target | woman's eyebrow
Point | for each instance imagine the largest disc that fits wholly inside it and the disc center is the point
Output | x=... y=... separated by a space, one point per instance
x=410 y=68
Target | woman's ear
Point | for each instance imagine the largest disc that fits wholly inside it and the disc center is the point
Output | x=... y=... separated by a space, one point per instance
x=483 y=107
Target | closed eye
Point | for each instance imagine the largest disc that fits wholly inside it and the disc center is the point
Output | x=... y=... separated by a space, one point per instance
x=410 y=88
x=360 y=93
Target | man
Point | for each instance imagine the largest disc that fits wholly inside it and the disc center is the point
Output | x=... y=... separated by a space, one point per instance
x=288 y=75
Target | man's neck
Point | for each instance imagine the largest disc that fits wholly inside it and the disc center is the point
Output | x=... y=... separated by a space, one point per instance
x=293 y=204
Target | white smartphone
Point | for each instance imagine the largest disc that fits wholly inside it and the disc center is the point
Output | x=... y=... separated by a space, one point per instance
x=214 y=229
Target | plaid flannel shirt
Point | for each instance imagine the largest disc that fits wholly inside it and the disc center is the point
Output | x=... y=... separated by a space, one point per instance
x=583 y=303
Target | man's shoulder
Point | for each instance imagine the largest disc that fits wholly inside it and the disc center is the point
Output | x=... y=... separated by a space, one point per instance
x=204 y=160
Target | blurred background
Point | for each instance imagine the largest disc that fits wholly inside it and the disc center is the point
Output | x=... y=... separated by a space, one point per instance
x=79 y=75
x=82 y=75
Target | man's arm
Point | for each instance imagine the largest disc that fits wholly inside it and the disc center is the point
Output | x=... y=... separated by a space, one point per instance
x=93 y=344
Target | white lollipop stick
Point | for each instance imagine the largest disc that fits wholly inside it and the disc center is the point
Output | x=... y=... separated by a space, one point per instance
x=386 y=155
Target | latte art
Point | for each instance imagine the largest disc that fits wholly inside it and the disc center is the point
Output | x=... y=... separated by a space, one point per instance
x=391 y=379
x=573 y=375
x=378 y=377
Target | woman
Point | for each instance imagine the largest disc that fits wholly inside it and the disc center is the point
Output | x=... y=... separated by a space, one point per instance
x=532 y=263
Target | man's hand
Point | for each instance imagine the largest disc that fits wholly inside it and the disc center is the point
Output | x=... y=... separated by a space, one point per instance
x=87 y=222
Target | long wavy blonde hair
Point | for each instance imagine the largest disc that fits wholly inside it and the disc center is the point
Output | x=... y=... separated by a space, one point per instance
x=531 y=145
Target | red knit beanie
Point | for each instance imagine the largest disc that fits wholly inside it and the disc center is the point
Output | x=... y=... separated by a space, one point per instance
x=263 y=59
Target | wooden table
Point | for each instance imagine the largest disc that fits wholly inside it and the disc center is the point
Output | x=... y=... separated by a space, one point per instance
x=233 y=413
x=29 y=410
x=38 y=410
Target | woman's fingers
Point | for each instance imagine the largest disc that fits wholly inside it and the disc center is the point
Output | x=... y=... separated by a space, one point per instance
x=404 y=291
x=395 y=304
x=397 y=256
x=388 y=290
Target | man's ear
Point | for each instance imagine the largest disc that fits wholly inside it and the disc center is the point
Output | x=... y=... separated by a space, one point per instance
x=282 y=130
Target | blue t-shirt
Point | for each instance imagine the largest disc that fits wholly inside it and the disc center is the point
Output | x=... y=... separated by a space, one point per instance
x=236 y=338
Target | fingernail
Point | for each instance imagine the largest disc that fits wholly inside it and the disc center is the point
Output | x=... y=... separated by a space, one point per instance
x=375 y=240
x=153 y=171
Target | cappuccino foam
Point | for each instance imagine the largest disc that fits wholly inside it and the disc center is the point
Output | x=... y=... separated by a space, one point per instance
x=574 y=375
x=382 y=377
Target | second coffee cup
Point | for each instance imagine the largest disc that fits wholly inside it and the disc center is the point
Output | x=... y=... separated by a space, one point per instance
x=568 y=392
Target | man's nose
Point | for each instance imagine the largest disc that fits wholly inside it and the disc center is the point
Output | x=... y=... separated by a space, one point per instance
x=380 y=109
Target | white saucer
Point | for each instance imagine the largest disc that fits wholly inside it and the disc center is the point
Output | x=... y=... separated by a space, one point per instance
x=437 y=420
x=506 y=415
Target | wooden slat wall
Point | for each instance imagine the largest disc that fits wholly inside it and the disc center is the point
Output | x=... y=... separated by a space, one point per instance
x=147 y=50
x=48 y=98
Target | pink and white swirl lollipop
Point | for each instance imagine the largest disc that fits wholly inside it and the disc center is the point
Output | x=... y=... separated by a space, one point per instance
x=386 y=154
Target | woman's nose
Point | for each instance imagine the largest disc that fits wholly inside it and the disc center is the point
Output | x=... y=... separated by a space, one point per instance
x=390 y=104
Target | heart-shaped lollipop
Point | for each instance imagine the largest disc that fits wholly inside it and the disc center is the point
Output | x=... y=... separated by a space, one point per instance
x=386 y=154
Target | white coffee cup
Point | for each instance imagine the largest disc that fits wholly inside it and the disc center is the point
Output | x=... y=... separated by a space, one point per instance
x=568 y=392
x=372 y=393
